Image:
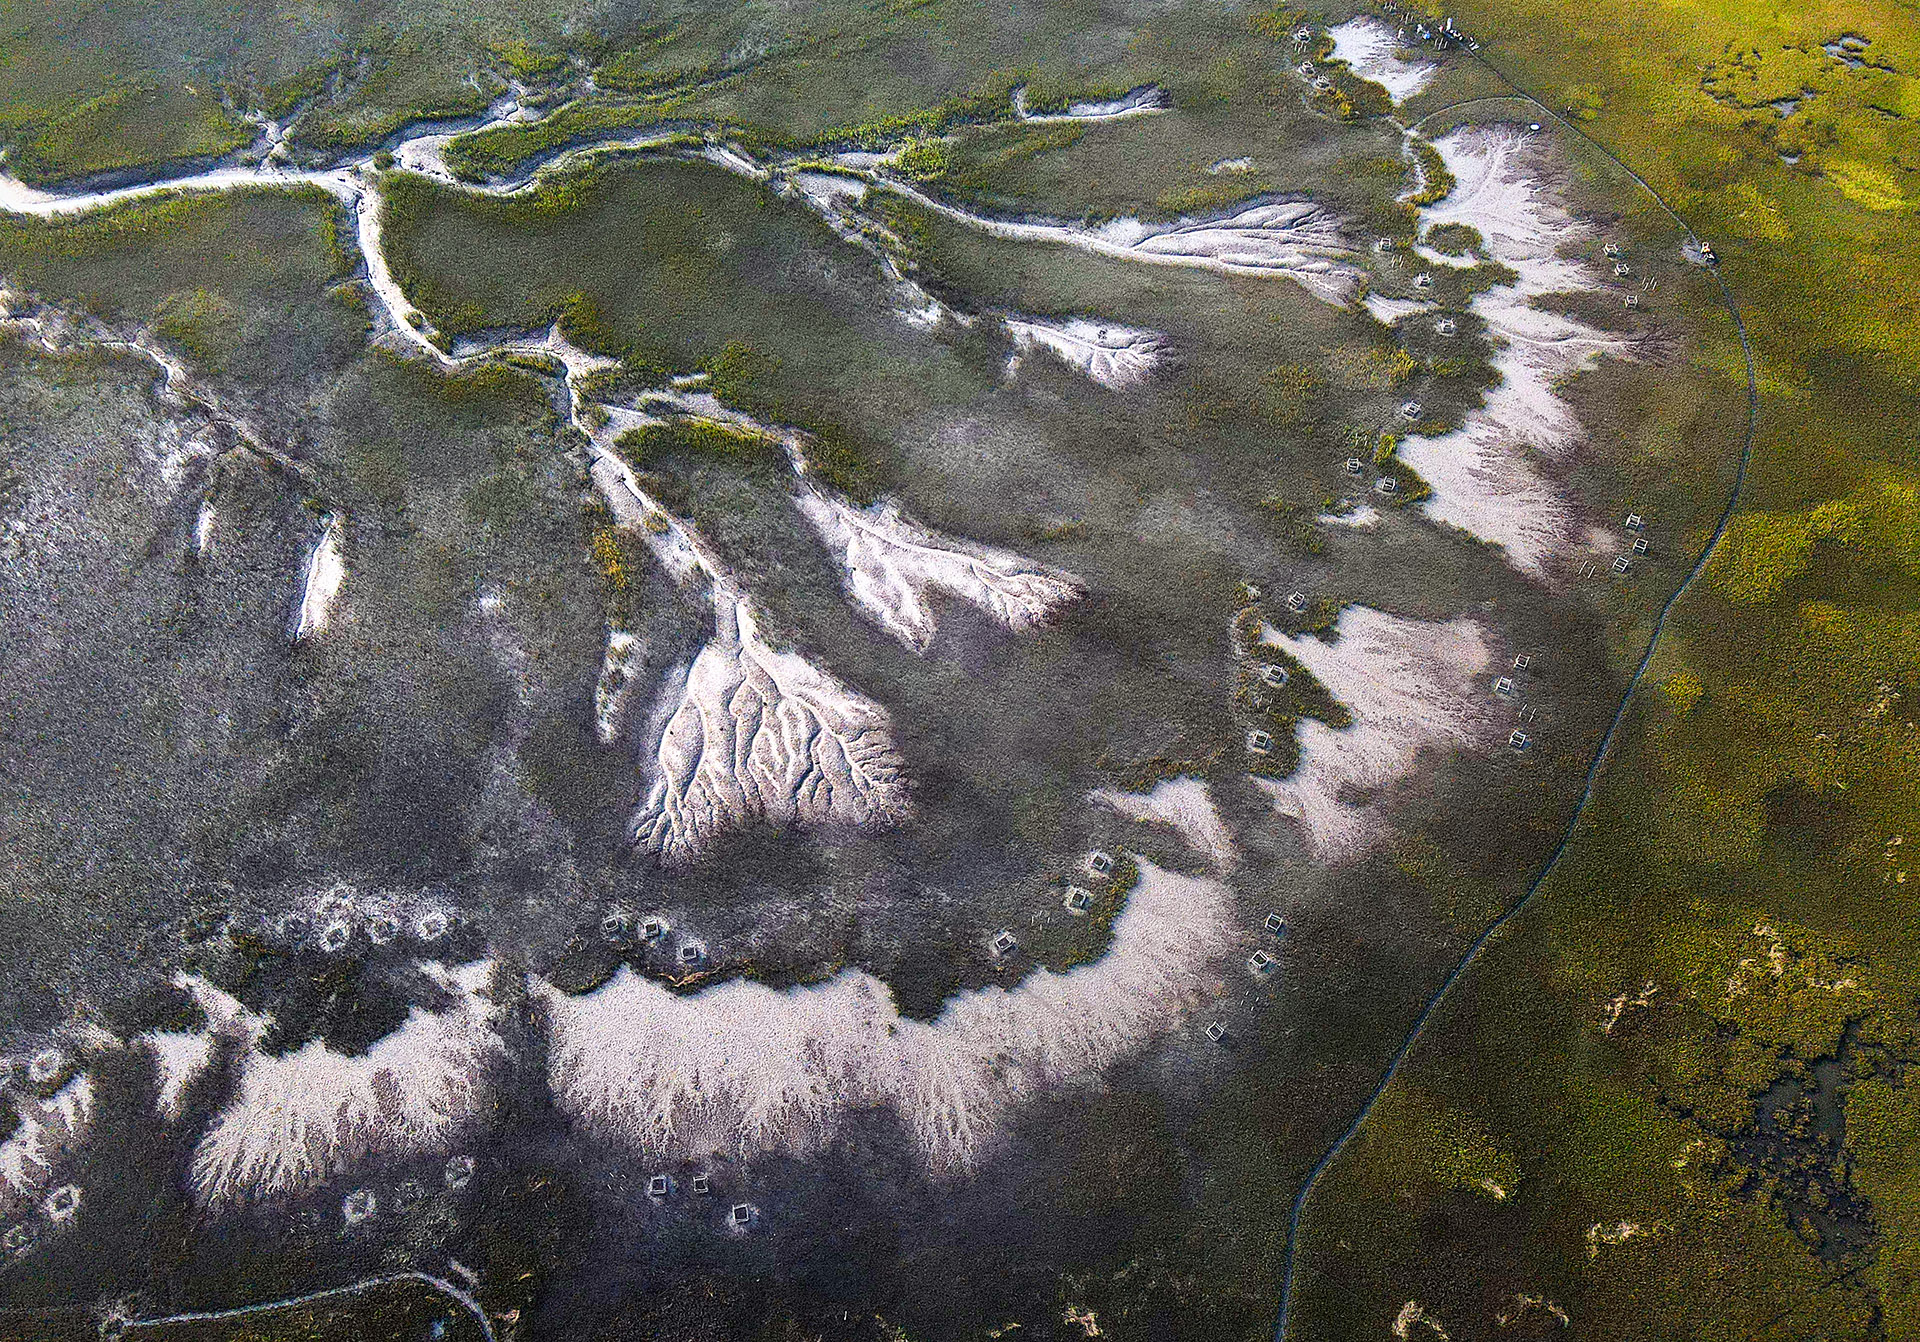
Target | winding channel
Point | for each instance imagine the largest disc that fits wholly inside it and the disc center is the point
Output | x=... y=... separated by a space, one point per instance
x=440 y=1284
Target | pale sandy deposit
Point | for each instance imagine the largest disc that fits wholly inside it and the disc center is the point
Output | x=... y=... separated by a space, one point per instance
x=757 y=734
x=1138 y=102
x=615 y=687
x=1387 y=311
x=203 y=523
x=182 y=1057
x=1483 y=481
x=49 y=1132
x=745 y=1069
x=302 y=1117
x=1363 y=518
x=1114 y=356
x=1411 y=685
x=325 y=574
x=1185 y=806
x=1292 y=239
x=1371 y=48
x=891 y=564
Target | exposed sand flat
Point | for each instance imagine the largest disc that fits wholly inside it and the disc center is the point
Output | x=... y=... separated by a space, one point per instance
x=698 y=403
x=829 y=192
x=1387 y=311
x=890 y=563
x=425 y=152
x=921 y=309
x=745 y=1069
x=1295 y=239
x=576 y=361
x=203 y=522
x=1138 y=102
x=1185 y=806
x=835 y=198
x=305 y=1116
x=616 y=684
x=181 y=1057
x=1369 y=47
x=407 y=323
x=674 y=545
x=757 y=734
x=1483 y=481
x=1114 y=356
x=326 y=572
x=426 y=156
x=751 y=733
x=1364 y=518
x=49 y=1132
x=734 y=160
x=16 y=197
x=1410 y=684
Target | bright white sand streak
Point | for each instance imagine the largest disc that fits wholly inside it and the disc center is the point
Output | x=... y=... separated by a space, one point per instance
x=890 y=563
x=326 y=571
x=743 y=1068
x=1482 y=479
x=750 y=732
x=304 y=1116
x=1293 y=238
x=1410 y=684
x=757 y=733
x=182 y=1057
x=1114 y=356
x=1183 y=805
x=1371 y=48
x=1140 y=102
x=49 y=1132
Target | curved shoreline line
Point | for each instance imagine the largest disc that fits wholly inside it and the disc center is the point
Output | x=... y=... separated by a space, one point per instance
x=1605 y=748
x=440 y=1284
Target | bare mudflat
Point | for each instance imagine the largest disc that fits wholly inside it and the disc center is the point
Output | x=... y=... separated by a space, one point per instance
x=667 y=694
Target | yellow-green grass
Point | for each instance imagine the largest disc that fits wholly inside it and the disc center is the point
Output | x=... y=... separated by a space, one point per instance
x=125 y=125
x=1736 y=868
